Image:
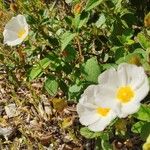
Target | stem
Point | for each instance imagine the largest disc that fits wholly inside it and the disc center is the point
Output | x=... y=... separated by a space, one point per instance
x=21 y=54
x=81 y=58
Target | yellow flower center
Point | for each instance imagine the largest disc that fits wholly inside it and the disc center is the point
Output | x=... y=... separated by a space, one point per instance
x=103 y=111
x=21 y=32
x=125 y=94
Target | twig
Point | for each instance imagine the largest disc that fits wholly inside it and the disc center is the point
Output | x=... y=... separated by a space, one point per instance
x=81 y=58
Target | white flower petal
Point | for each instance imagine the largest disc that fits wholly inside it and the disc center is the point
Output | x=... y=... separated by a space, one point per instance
x=13 y=24
x=106 y=97
x=81 y=108
x=131 y=75
x=89 y=91
x=123 y=74
x=9 y=36
x=109 y=77
x=89 y=117
x=22 y=21
x=88 y=105
x=142 y=91
x=89 y=95
x=102 y=123
x=128 y=109
x=13 y=43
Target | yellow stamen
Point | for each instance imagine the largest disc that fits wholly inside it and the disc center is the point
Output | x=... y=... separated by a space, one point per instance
x=103 y=111
x=21 y=32
x=125 y=94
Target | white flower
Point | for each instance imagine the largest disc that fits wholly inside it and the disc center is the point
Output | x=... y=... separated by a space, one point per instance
x=15 y=30
x=126 y=86
x=94 y=112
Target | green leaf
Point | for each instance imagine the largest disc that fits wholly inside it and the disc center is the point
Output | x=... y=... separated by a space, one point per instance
x=1 y=57
x=44 y=63
x=31 y=20
x=66 y=39
x=37 y=70
x=51 y=86
x=119 y=52
x=105 y=142
x=98 y=144
x=63 y=86
x=83 y=19
x=92 y=3
x=80 y=20
x=69 y=53
x=92 y=70
x=143 y=113
x=142 y=52
x=136 y=128
x=145 y=131
x=108 y=65
x=88 y=133
x=75 y=88
x=143 y=40
x=126 y=36
x=129 y=18
x=101 y=21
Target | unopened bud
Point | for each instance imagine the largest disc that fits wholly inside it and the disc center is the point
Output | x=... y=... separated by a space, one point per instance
x=135 y=60
x=13 y=7
x=77 y=8
x=1 y=14
x=147 y=20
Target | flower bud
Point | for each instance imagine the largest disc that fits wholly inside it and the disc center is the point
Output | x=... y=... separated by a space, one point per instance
x=13 y=7
x=147 y=20
x=77 y=8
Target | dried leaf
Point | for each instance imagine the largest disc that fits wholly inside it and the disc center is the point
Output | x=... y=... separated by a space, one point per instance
x=67 y=122
x=11 y=110
x=59 y=104
x=7 y=132
x=45 y=110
